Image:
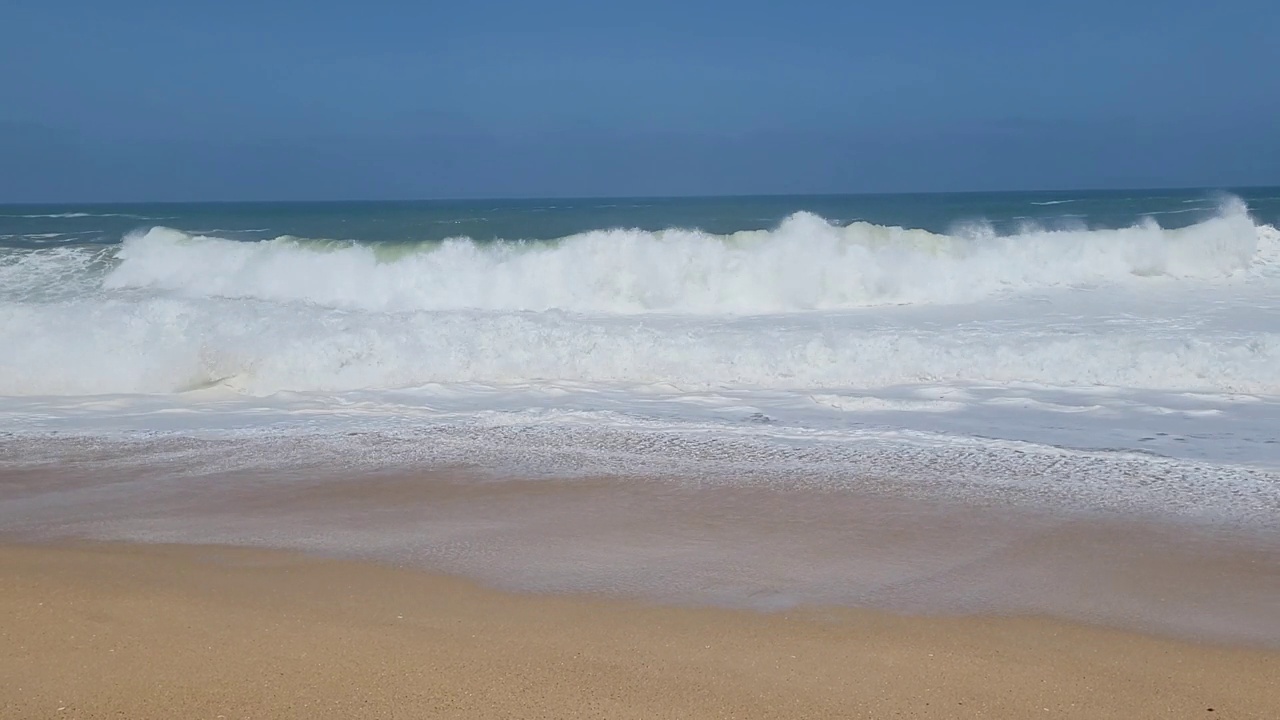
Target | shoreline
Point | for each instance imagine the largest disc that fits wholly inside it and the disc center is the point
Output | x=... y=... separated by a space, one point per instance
x=687 y=544
x=170 y=630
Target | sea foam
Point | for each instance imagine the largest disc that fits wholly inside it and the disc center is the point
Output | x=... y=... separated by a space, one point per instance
x=805 y=264
x=808 y=306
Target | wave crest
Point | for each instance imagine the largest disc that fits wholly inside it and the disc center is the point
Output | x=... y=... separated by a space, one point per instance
x=806 y=263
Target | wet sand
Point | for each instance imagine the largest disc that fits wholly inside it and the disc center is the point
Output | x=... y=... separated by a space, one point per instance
x=745 y=547
x=95 y=630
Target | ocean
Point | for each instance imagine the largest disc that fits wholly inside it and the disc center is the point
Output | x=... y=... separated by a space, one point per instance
x=1103 y=354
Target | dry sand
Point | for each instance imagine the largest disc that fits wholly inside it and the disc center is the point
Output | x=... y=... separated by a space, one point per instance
x=91 y=631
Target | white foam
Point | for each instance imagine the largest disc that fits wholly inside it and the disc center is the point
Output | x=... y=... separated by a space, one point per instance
x=1189 y=309
x=124 y=345
x=51 y=272
x=805 y=264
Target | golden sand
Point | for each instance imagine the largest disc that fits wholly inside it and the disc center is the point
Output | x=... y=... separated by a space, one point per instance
x=119 y=631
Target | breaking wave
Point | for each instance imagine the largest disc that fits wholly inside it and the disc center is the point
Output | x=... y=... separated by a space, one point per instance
x=167 y=311
x=805 y=264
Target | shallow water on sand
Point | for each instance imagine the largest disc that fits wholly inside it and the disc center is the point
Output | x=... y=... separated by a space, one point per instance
x=764 y=546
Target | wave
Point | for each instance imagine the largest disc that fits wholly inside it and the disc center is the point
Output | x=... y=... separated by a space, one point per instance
x=168 y=311
x=164 y=345
x=804 y=264
x=72 y=215
x=52 y=273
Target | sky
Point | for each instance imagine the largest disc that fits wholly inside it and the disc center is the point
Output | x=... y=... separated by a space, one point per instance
x=285 y=100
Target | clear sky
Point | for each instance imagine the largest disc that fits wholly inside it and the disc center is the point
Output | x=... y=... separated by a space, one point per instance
x=274 y=99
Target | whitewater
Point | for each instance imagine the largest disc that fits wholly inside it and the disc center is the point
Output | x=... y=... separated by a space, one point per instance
x=1134 y=367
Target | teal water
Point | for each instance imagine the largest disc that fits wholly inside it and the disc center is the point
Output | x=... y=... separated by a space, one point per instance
x=483 y=220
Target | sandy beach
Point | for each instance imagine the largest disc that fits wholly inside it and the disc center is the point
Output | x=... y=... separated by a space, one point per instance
x=112 y=630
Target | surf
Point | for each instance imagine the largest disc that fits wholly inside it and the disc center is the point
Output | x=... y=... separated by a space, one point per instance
x=807 y=306
x=807 y=263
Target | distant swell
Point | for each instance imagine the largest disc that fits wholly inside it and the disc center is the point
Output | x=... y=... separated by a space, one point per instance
x=73 y=215
x=804 y=264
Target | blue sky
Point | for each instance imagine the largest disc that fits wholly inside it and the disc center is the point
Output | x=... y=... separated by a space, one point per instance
x=294 y=100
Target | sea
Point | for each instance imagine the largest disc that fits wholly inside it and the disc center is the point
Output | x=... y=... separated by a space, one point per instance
x=1110 y=354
